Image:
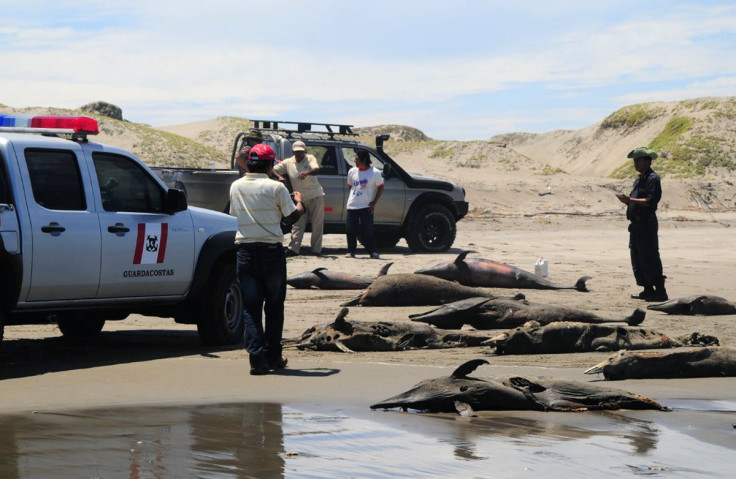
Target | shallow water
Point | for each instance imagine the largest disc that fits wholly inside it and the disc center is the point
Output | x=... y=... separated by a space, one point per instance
x=275 y=441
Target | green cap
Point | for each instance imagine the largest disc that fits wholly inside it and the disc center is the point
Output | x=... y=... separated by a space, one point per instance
x=642 y=152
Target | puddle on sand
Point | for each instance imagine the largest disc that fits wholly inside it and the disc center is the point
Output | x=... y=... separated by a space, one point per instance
x=274 y=441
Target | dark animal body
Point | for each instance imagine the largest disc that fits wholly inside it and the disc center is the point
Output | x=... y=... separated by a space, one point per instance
x=506 y=313
x=567 y=337
x=464 y=394
x=493 y=274
x=414 y=290
x=355 y=336
x=322 y=278
x=679 y=363
x=699 y=304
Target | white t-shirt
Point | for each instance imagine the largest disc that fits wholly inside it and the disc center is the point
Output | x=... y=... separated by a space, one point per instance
x=363 y=187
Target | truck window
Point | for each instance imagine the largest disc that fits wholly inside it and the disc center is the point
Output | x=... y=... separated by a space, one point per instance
x=349 y=155
x=126 y=186
x=326 y=158
x=4 y=193
x=55 y=179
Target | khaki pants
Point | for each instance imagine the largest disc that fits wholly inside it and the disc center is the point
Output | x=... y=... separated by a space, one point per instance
x=316 y=215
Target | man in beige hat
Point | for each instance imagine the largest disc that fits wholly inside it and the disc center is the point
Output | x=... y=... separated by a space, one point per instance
x=302 y=170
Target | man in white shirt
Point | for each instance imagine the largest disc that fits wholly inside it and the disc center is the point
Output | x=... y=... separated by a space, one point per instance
x=366 y=187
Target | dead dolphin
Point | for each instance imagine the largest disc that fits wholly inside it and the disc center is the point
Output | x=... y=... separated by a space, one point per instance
x=567 y=337
x=464 y=394
x=698 y=304
x=680 y=363
x=322 y=278
x=414 y=290
x=505 y=313
x=353 y=336
x=493 y=274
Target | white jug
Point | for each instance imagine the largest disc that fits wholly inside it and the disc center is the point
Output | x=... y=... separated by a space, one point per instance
x=541 y=267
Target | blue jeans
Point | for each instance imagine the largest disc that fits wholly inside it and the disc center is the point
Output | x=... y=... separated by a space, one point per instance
x=261 y=270
x=360 y=221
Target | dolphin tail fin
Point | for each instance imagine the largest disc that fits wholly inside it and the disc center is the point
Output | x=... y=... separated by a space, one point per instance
x=636 y=318
x=580 y=285
x=353 y=302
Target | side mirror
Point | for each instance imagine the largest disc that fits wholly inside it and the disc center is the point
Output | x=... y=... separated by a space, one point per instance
x=176 y=200
x=386 y=170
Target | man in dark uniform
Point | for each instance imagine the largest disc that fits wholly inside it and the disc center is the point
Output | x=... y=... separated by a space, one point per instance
x=641 y=211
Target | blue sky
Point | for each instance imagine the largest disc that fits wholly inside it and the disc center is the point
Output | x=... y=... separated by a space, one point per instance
x=456 y=70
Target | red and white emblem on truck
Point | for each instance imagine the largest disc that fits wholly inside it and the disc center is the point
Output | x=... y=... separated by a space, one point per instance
x=151 y=244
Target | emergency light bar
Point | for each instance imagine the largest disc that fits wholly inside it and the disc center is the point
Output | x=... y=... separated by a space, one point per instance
x=75 y=125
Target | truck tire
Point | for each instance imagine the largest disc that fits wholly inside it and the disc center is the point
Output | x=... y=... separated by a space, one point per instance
x=79 y=325
x=432 y=229
x=220 y=321
x=2 y=327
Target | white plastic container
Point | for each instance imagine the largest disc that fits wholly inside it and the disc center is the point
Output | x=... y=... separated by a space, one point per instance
x=541 y=267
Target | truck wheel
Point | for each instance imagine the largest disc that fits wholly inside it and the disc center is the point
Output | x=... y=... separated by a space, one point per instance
x=432 y=229
x=79 y=325
x=2 y=327
x=221 y=318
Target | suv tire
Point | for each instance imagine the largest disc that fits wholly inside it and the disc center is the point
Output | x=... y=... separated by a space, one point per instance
x=79 y=325
x=431 y=229
x=220 y=321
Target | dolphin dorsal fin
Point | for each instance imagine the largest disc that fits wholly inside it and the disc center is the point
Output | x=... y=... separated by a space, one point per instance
x=317 y=270
x=384 y=270
x=466 y=368
x=340 y=319
x=461 y=257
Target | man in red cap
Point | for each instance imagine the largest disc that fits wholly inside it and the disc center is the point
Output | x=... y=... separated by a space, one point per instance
x=259 y=203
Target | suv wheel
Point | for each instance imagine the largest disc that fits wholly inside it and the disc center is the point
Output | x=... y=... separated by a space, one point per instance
x=221 y=319
x=2 y=327
x=432 y=229
x=79 y=325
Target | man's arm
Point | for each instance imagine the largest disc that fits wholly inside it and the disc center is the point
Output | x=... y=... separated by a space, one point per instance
x=379 y=192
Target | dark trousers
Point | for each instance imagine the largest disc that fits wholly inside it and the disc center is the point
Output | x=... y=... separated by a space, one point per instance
x=644 y=249
x=261 y=270
x=360 y=222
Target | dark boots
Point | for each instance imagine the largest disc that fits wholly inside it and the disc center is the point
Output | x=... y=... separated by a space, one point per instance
x=654 y=293
x=660 y=294
x=646 y=294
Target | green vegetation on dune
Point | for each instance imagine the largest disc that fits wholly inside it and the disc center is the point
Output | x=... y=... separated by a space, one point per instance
x=684 y=155
x=632 y=116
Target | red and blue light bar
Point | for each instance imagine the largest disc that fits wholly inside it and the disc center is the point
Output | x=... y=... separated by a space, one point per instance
x=54 y=124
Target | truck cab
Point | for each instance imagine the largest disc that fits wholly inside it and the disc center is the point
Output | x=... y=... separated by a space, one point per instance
x=88 y=233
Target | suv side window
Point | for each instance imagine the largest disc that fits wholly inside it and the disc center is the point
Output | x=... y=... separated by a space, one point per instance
x=55 y=179
x=349 y=155
x=326 y=158
x=126 y=186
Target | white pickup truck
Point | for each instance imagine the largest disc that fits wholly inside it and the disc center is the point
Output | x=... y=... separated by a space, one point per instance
x=88 y=233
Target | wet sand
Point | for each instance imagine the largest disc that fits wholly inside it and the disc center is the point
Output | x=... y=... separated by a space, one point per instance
x=154 y=362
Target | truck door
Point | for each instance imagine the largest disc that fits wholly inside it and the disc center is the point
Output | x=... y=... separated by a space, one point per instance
x=390 y=209
x=145 y=251
x=65 y=231
x=333 y=183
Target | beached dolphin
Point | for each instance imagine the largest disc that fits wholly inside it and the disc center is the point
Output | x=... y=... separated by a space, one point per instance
x=506 y=313
x=414 y=290
x=564 y=337
x=679 y=363
x=355 y=336
x=492 y=274
x=698 y=304
x=322 y=278
x=464 y=394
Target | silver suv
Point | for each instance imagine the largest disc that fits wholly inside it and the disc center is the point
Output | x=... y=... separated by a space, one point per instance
x=422 y=210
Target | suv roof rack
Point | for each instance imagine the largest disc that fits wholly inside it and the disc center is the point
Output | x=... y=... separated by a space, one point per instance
x=303 y=127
